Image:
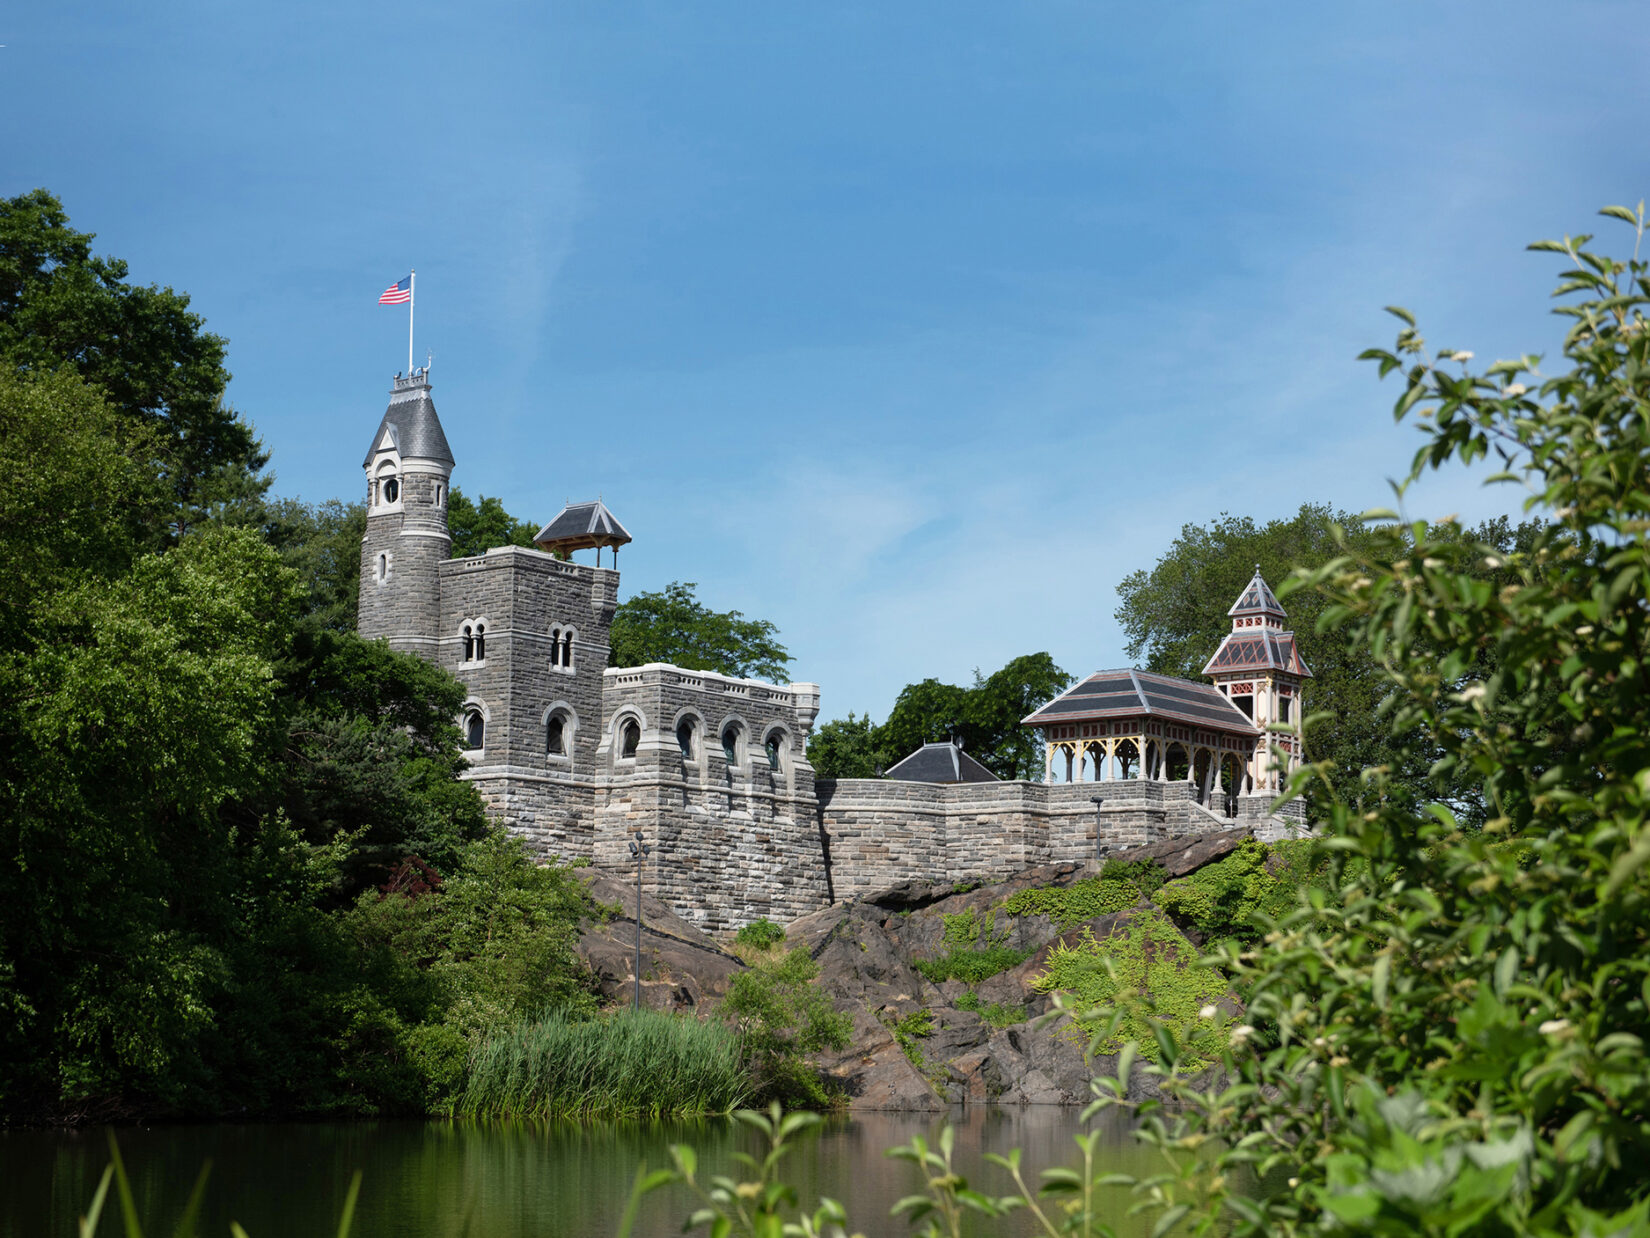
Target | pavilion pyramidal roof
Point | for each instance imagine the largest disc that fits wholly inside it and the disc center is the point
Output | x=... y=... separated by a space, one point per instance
x=580 y=526
x=1108 y=695
x=1257 y=641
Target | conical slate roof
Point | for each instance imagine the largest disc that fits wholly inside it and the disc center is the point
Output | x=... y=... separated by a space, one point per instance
x=1257 y=598
x=581 y=526
x=412 y=424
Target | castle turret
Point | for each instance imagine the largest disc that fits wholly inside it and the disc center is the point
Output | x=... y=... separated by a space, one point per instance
x=1259 y=668
x=408 y=468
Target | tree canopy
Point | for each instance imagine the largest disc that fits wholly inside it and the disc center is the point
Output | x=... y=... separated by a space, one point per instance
x=1174 y=616
x=478 y=526
x=211 y=788
x=672 y=625
x=984 y=717
x=1450 y=1038
x=63 y=306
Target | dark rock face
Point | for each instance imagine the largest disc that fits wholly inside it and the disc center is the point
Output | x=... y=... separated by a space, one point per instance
x=682 y=968
x=866 y=950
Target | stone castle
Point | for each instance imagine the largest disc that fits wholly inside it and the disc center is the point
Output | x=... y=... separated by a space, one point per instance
x=711 y=773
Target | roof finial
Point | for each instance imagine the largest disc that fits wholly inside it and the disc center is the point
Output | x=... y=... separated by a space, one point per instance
x=1257 y=569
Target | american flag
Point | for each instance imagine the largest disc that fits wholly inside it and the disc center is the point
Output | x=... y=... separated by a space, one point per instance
x=397 y=294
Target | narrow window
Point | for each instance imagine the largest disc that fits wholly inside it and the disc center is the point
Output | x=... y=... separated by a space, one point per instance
x=567 y=648
x=773 y=751
x=469 y=644
x=632 y=737
x=440 y=492
x=392 y=490
x=555 y=736
x=684 y=738
x=475 y=730
x=481 y=642
x=383 y=568
x=555 y=646
x=730 y=745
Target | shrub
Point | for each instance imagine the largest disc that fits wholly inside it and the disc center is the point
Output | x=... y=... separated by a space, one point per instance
x=760 y=934
x=781 y=1017
x=1120 y=884
x=976 y=949
x=997 y=1014
x=1145 y=957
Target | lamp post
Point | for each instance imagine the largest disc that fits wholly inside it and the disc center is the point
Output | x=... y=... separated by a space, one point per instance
x=641 y=851
x=1099 y=846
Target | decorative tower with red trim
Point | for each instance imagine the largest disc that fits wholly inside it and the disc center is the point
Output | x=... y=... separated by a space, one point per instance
x=1259 y=668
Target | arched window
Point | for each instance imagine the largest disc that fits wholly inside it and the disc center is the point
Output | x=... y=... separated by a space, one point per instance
x=630 y=738
x=730 y=744
x=392 y=489
x=440 y=493
x=383 y=568
x=555 y=646
x=469 y=643
x=475 y=730
x=771 y=745
x=555 y=736
x=567 y=648
x=684 y=738
x=481 y=642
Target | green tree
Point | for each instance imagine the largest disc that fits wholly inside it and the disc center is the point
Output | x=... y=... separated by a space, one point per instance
x=845 y=748
x=322 y=543
x=477 y=528
x=984 y=718
x=1452 y=1041
x=674 y=626
x=62 y=306
x=1174 y=616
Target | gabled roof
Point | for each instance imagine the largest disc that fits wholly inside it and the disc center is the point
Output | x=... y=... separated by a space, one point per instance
x=1258 y=649
x=1257 y=598
x=581 y=526
x=411 y=423
x=942 y=762
x=1108 y=695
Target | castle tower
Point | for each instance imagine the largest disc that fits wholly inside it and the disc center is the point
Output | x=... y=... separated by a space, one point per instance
x=1260 y=669
x=408 y=467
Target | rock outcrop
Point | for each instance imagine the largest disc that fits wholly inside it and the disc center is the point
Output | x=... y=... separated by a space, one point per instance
x=913 y=1046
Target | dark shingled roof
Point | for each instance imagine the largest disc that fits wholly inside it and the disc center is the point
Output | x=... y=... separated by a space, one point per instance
x=580 y=526
x=1257 y=599
x=942 y=762
x=412 y=423
x=1109 y=695
x=1258 y=649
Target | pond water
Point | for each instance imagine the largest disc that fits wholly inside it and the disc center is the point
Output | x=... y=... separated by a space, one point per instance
x=443 y=1180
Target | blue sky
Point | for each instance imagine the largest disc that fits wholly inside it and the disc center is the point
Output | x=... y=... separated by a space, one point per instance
x=913 y=328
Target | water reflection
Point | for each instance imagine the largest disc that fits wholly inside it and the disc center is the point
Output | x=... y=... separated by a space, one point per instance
x=440 y=1180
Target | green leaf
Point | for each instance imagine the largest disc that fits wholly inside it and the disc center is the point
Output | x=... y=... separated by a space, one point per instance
x=88 y=1223
x=1169 y=1220
x=1620 y=212
x=1398 y=311
x=1506 y=970
x=347 y=1217
x=191 y=1209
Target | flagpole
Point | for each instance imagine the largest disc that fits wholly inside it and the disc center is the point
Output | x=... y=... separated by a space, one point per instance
x=412 y=293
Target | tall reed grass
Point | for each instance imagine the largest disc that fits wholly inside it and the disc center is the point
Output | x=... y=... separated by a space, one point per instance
x=632 y=1065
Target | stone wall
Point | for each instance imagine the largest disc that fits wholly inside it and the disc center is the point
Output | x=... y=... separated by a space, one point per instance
x=877 y=832
x=733 y=840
